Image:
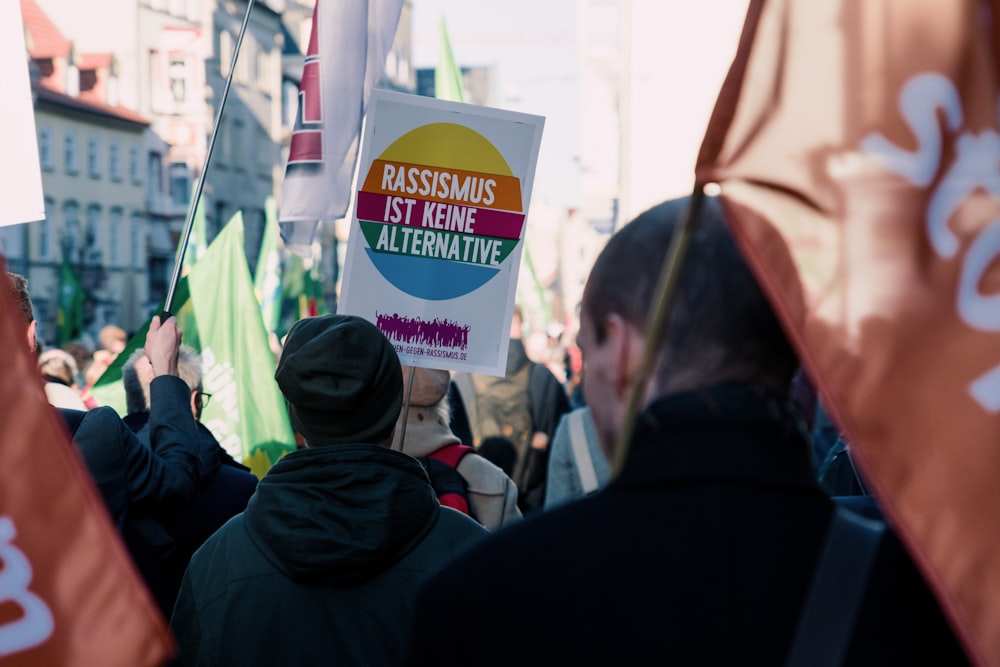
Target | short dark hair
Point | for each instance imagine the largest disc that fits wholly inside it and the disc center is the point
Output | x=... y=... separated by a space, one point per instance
x=720 y=327
x=19 y=286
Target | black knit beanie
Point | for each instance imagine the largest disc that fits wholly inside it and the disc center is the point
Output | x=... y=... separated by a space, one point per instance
x=342 y=380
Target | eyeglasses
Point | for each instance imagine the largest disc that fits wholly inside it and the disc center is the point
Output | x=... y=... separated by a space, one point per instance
x=203 y=398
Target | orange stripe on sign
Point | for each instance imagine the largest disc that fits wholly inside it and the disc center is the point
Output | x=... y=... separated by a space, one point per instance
x=452 y=186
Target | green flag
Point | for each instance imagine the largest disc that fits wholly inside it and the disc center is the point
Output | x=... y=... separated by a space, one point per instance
x=69 y=312
x=216 y=309
x=447 y=75
x=198 y=240
x=267 y=278
x=536 y=283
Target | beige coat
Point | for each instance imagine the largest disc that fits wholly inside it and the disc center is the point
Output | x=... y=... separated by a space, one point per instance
x=492 y=494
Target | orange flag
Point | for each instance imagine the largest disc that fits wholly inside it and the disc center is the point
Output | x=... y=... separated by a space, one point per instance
x=69 y=593
x=857 y=147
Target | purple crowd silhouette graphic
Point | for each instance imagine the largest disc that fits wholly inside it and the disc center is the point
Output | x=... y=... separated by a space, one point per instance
x=439 y=333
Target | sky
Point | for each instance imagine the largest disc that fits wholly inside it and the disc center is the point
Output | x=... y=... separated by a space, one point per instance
x=531 y=45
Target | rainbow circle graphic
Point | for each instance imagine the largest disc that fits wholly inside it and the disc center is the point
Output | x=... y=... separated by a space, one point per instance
x=441 y=211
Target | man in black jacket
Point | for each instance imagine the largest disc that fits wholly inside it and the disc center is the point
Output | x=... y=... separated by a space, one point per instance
x=162 y=542
x=323 y=566
x=703 y=549
x=130 y=477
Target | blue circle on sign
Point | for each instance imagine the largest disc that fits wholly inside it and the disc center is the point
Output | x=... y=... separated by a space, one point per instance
x=431 y=279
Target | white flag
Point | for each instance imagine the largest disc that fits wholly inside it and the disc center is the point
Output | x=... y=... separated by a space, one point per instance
x=20 y=176
x=345 y=59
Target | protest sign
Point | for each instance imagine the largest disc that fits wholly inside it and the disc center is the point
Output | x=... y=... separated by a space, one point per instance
x=438 y=227
x=20 y=178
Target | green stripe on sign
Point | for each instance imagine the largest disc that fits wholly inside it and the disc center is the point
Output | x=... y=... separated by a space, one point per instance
x=434 y=244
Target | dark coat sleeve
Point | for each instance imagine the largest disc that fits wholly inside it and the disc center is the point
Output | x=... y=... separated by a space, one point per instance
x=549 y=401
x=171 y=474
x=128 y=473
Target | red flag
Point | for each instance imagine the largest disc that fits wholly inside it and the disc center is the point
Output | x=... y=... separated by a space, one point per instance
x=69 y=593
x=857 y=146
x=345 y=58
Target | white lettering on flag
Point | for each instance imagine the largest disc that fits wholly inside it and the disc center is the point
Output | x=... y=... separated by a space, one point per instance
x=976 y=166
x=37 y=624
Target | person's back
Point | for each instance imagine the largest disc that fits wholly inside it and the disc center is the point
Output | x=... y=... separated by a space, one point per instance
x=524 y=406
x=162 y=541
x=577 y=465
x=489 y=492
x=323 y=566
x=703 y=548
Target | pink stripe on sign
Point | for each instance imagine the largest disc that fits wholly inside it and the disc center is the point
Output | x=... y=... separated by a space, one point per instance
x=435 y=215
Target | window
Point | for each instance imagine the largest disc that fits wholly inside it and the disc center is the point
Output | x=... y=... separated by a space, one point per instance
x=138 y=240
x=225 y=52
x=238 y=146
x=178 y=79
x=93 y=157
x=117 y=237
x=290 y=102
x=263 y=69
x=45 y=230
x=243 y=63
x=94 y=237
x=72 y=164
x=115 y=161
x=264 y=151
x=220 y=215
x=249 y=61
x=153 y=175
x=180 y=184
x=133 y=166
x=45 y=157
x=71 y=227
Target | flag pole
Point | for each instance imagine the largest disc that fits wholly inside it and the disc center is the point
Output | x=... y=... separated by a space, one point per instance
x=179 y=260
x=406 y=406
x=663 y=297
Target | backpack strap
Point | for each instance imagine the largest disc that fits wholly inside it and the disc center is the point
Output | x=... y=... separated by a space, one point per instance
x=452 y=454
x=581 y=451
x=827 y=618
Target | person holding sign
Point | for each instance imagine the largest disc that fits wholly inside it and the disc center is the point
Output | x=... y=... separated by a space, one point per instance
x=131 y=477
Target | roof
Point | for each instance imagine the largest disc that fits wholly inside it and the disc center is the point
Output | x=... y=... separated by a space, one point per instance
x=45 y=94
x=45 y=39
x=95 y=61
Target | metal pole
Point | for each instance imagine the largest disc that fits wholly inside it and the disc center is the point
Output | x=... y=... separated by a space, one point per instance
x=179 y=261
x=657 y=321
x=406 y=407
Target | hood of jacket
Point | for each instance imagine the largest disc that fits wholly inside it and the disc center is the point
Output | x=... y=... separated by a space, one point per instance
x=340 y=514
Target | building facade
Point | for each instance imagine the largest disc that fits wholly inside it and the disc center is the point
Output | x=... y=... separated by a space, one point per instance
x=97 y=171
x=143 y=80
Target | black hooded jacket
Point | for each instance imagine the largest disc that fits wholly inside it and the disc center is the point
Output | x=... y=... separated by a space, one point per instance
x=323 y=566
